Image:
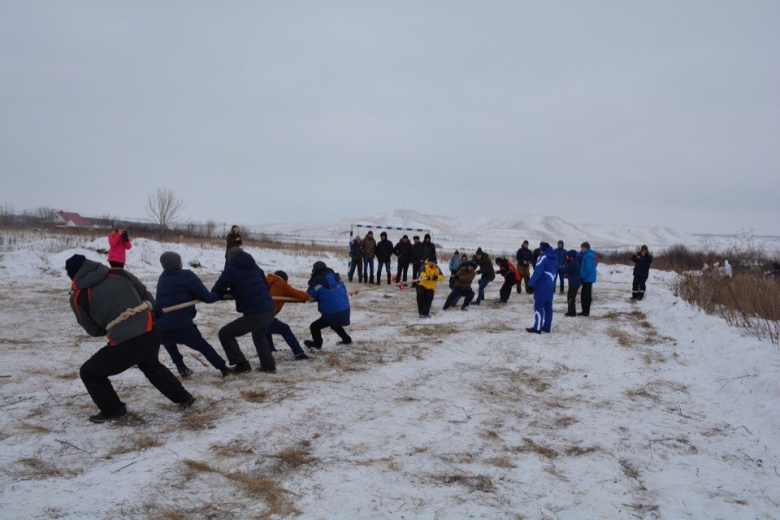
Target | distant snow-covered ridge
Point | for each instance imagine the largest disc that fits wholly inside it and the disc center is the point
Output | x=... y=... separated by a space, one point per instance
x=503 y=233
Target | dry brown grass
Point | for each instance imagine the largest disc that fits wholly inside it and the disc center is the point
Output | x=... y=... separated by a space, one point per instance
x=199 y=418
x=293 y=457
x=255 y=485
x=481 y=483
x=255 y=396
x=532 y=447
x=748 y=301
x=576 y=451
x=135 y=442
x=33 y=428
x=501 y=462
x=35 y=469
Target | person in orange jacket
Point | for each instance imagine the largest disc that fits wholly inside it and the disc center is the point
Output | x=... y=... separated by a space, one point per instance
x=279 y=287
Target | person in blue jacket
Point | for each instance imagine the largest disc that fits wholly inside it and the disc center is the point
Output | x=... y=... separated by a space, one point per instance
x=246 y=283
x=572 y=271
x=560 y=254
x=175 y=286
x=543 y=284
x=588 y=274
x=327 y=289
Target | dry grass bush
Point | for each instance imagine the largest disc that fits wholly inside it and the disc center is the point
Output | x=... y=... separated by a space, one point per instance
x=198 y=419
x=748 y=301
x=255 y=396
x=133 y=443
x=532 y=447
x=255 y=485
x=294 y=457
x=479 y=483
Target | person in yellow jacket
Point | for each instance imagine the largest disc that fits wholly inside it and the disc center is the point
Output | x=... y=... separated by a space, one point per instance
x=429 y=277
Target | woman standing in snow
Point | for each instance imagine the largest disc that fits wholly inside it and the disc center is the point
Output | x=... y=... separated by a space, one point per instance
x=118 y=243
x=642 y=260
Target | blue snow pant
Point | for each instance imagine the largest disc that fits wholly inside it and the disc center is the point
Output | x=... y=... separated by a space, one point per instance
x=192 y=338
x=368 y=262
x=283 y=330
x=543 y=311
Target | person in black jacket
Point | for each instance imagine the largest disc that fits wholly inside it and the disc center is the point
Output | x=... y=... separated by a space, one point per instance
x=428 y=249
x=403 y=250
x=384 y=253
x=524 y=262
x=417 y=252
x=642 y=260
x=356 y=258
x=487 y=272
x=246 y=282
x=175 y=286
x=571 y=270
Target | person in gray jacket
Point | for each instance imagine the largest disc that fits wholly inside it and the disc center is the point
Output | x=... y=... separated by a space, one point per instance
x=114 y=303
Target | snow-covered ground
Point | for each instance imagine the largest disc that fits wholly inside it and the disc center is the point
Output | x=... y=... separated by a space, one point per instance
x=643 y=410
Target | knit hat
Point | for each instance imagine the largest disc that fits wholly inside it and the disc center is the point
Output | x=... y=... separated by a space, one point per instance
x=456 y=252
x=119 y=224
x=560 y=242
x=472 y=263
x=586 y=245
x=479 y=251
x=525 y=242
x=544 y=245
x=383 y=234
x=427 y=235
x=281 y=274
x=232 y=252
x=170 y=260
x=319 y=265
x=405 y=236
x=416 y=237
x=73 y=264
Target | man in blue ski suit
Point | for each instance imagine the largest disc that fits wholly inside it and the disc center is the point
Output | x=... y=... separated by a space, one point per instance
x=327 y=289
x=543 y=284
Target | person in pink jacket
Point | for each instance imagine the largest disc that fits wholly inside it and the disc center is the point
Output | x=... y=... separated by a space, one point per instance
x=118 y=243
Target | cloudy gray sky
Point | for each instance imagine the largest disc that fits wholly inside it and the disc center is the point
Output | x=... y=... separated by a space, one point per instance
x=642 y=113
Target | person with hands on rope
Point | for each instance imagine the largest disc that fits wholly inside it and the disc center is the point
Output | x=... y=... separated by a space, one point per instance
x=114 y=303
x=426 y=287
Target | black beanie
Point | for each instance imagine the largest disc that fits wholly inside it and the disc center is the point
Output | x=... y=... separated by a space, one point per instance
x=383 y=234
x=73 y=264
x=426 y=236
x=170 y=260
x=319 y=265
x=281 y=274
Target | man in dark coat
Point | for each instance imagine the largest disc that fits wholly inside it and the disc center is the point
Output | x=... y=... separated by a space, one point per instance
x=356 y=258
x=560 y=254
x=428 y=249
x=572 y=271
x=114 y=303
x=369 y=252
x=175 y=286
x=403 y=250
x=245 y=281
x=524 y=262
x=384 y=253
x=487 y=272
x=642 y=260
x=417 y=258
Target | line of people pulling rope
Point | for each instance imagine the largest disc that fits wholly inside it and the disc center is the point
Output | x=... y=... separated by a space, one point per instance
x=112 y=302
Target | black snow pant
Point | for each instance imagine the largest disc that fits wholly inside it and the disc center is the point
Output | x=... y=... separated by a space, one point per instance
x=111 y=360
x=506 y=289
x=638 y=288
x=403 y=270
x=424 y=300
x=571 y=299
x=356 y=263
x=316 y=331
x=415 y=271
x=587 y=297
x=457 y=293
x=257 y=325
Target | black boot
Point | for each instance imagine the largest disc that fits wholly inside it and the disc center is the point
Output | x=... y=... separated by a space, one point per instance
x=312 y=344
x=113 y=416
x=533 y=330
x=242 y=367
x=184 y=372
x=371 y=280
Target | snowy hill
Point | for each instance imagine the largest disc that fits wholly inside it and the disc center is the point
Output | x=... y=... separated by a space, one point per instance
x=503 y=233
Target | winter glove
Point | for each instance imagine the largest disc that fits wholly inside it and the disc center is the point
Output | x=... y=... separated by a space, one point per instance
x=157 y=312
x=125 y=237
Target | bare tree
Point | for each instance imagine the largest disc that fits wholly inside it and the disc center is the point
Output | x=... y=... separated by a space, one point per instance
x=211 y=226
x=164 y=207
x=46 y=214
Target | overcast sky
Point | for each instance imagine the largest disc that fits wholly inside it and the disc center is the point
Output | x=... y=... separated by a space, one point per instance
x=641 y=113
